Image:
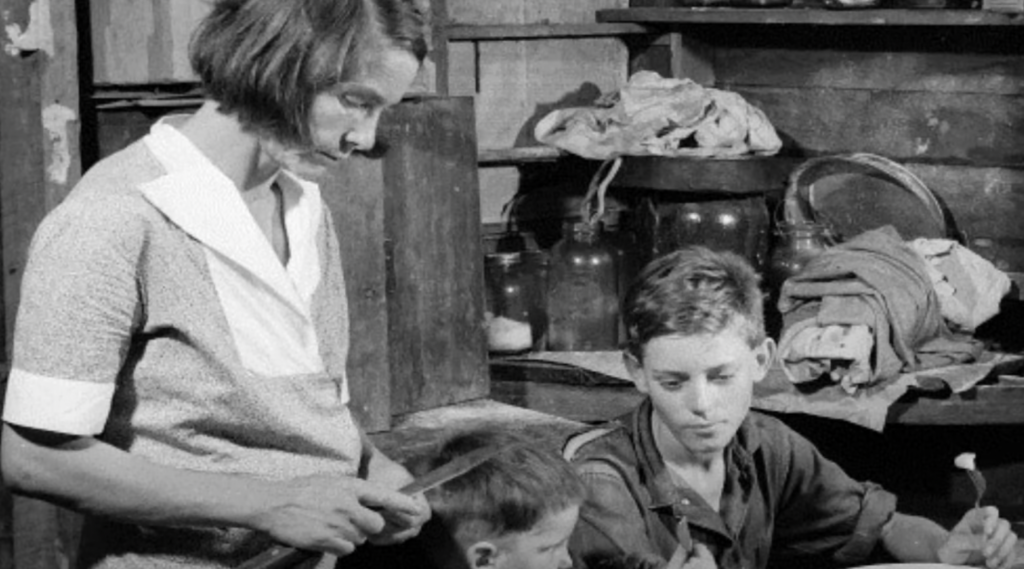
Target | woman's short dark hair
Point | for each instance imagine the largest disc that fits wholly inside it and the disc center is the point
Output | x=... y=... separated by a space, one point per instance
x=693 y=291
x=266 y=60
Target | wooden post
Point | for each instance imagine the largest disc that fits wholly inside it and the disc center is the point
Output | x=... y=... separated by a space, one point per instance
x=39 y=162
x=439 y=44
x=690 y=58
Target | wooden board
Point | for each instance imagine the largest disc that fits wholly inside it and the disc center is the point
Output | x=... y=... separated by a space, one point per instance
x=974 y=128
x=353 y=192
x=810 y=16
x=915 y=71
x=434 y=261
x=143 y=42
x=527 y=11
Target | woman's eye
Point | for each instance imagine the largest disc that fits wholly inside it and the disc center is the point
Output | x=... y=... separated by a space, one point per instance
x=356 y=103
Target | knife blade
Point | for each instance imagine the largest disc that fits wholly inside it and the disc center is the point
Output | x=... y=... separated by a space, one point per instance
x=283 y=556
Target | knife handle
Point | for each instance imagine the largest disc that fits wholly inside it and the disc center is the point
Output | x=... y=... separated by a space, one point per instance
x=278 y=557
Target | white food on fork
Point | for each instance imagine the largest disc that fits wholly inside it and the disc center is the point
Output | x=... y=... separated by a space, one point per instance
x=966 y=462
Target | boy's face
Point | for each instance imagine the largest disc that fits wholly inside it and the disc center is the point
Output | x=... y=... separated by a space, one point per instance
x=701 y=386
x=543 y=547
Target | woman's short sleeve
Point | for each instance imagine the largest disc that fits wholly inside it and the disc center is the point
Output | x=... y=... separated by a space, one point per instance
x=79 y=303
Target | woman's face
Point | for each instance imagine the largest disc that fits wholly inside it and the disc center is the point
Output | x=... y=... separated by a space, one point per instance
x=344 y=119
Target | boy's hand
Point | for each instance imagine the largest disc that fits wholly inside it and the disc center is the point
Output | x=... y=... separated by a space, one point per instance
x=981 y=537
x=700 y=558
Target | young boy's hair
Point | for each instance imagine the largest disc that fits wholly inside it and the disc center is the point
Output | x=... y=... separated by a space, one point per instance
x=509 y=493
x=693 y=291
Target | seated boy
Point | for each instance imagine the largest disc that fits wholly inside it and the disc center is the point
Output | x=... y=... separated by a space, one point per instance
x=514 y=511
x=745 y=486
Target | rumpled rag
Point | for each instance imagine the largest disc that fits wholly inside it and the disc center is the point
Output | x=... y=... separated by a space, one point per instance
x=863 y=312
x=969 y=287
x=655 y=116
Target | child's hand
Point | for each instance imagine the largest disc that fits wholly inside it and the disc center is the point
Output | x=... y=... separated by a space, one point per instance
x=981 y=537
x=700 y=558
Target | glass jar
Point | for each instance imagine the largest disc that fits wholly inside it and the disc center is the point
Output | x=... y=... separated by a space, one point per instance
x=797 y=244
x=537 y=264
x=509 y=297
x=719 y=222
x=582 y=300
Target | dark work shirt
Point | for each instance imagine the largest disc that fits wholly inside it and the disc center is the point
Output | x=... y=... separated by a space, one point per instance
x=781 y=500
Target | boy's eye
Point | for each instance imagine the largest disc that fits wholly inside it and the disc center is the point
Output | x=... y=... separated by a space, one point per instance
x=671 y=384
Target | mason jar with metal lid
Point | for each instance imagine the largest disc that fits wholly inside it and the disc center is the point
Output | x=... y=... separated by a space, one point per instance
x=511 y=301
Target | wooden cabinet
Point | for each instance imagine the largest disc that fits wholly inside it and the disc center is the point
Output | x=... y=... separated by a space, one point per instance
x=410 y=235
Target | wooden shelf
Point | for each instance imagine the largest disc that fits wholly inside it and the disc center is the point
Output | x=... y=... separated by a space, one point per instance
x=587 y=396
x=740 y=175
x=468 y=32
x=500 y=156
x=809 y=16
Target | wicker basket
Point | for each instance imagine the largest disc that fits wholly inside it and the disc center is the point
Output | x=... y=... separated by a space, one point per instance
x=852 y=193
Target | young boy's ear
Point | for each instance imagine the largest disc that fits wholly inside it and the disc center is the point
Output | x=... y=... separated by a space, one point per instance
x=636 y=371
x=481 y=555
x=765 y=355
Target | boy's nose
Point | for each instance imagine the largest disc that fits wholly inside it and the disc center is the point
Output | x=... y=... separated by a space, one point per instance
x=700 y=399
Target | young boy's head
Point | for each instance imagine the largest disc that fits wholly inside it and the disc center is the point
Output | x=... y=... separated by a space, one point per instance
x=515 y=511
x=695 y=344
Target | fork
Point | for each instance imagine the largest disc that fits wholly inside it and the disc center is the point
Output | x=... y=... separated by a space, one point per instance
x=979 y=486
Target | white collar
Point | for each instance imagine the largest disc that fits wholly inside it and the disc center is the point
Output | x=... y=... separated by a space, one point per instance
x=199 y=198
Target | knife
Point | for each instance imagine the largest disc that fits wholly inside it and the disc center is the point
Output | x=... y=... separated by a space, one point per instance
x=283 y=556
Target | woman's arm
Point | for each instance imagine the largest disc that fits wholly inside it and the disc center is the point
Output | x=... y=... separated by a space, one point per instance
x=323 y=513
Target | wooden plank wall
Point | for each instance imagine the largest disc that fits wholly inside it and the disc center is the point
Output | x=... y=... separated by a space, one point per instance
x=515 y=83
x=949 y=103
x=137 y=42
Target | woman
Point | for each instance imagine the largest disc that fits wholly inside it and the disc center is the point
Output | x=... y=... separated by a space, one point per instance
x=179 y=355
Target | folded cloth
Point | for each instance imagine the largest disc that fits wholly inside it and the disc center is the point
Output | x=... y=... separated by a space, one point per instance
x=969 y=287
x=655 y=116
x=841 y=352
x=878 y=281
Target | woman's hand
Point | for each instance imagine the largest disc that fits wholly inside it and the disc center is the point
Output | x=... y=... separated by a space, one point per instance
x=399 y=526
x=981 y=537
x=335 y=514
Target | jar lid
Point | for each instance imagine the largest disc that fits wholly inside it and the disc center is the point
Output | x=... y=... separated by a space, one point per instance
x=504 y=259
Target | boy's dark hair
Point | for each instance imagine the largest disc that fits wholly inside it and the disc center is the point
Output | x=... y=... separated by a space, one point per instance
x=693 y=291
x=266 y=60
x=509 y=493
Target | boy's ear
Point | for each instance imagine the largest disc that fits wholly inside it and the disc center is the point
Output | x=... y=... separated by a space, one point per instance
x=482 y=555
x=636 y=371
x=765 y=355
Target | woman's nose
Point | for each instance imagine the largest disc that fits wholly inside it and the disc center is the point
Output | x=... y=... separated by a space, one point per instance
x=363 y=136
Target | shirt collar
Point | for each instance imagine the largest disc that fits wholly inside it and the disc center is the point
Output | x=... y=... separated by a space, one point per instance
x=739 y=467
x=199 y=198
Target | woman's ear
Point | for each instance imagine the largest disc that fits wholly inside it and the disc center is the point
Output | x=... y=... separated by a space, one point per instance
x=636 y=371
x=765 y=356
x=482 y=555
